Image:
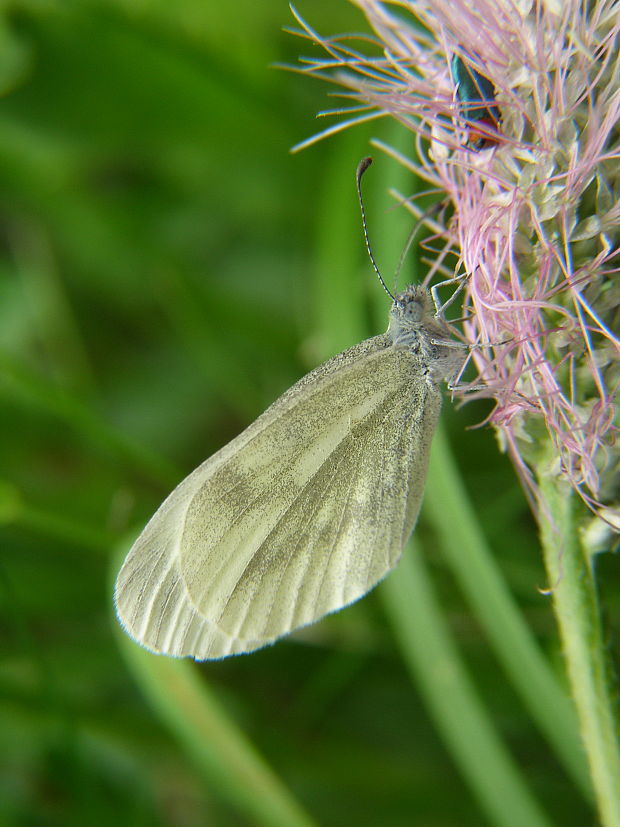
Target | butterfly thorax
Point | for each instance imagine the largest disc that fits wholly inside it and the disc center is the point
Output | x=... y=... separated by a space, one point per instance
x=413 y=326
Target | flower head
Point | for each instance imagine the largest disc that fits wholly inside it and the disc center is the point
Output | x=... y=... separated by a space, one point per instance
x=515 y=108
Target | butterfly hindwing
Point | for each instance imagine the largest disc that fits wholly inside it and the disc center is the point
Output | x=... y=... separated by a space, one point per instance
x=301 y=514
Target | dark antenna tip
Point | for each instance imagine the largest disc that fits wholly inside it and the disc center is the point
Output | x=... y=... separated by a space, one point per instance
x=361 y=169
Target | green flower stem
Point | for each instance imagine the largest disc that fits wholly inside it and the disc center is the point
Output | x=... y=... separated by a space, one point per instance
x=451 y=699
x=470 y=558
x=229 y=763
x=573 y=590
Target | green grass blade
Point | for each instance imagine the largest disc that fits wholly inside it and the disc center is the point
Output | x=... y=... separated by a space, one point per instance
x=452 y=701
x=584 y=643
x=464 y=545
x=233 y=769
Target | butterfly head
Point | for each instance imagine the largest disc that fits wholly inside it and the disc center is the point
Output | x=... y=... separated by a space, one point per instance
x=411 y=317
x=411 y=307
x=414 y=325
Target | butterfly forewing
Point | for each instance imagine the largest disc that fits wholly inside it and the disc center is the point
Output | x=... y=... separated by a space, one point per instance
x=303 y=513
x=151 y=599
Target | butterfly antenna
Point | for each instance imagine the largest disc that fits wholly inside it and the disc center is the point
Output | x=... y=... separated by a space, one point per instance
x=361 y=169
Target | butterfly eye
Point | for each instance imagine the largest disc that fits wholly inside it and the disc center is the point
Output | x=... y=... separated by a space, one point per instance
x=413 y=311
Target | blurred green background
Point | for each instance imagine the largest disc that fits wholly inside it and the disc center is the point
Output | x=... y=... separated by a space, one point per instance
x=167 y=268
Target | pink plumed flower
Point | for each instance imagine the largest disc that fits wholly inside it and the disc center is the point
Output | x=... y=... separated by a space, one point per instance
x=514 y=110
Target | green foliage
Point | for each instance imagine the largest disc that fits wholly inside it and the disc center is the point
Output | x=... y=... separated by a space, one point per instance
x=166 y=269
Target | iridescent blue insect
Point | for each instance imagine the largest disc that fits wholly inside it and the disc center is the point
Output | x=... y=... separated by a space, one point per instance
x=476 y=96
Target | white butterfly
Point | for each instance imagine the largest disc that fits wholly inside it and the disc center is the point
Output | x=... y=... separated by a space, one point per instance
x=305 y=511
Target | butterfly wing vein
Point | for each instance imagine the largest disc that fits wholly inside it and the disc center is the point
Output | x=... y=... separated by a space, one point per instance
x=300 y=515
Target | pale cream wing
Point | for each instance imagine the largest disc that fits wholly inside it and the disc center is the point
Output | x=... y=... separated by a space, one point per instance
x=152 y=602
x=300 y=515
x=151 y=599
